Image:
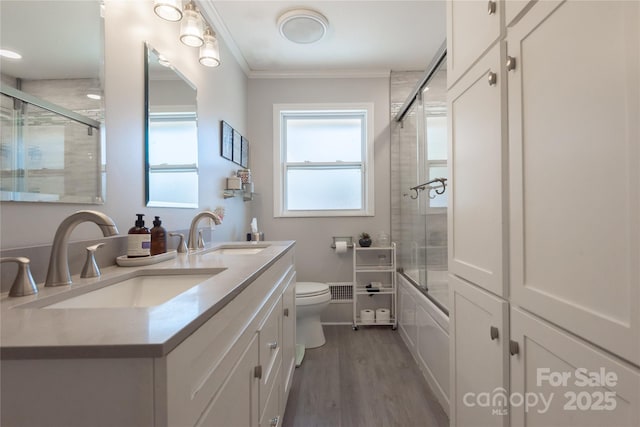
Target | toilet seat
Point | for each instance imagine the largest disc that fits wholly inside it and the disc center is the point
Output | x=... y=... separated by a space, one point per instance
x=311 y=289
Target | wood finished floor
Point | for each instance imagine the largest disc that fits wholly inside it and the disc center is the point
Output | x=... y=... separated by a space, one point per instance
x=364 y=378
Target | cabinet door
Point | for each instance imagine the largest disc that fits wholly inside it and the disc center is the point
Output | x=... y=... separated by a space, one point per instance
x=479 y=338
x=477 y=161
x=574 y=141
x=236 y=402
x=567 y=382
x=288 y=335
x=472 y=27
x=514 y=8
x=270 y=351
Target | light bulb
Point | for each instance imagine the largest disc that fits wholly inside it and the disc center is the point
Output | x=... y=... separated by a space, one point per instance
x=168 y=9
x=191 y=27
x=210 y=51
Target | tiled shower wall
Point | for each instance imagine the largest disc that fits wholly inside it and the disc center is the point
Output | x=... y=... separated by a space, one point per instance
x=411 y=229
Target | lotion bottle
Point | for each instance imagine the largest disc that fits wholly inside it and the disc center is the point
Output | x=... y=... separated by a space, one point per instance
x=158 y=238
x=139 y=240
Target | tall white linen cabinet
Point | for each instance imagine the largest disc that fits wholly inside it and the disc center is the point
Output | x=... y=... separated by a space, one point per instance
x=544 y=217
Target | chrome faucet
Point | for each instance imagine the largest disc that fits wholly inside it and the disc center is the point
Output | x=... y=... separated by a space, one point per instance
x=193 y=230
x=58 y=273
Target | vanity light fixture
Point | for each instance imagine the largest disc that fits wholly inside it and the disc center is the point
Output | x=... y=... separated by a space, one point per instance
x=210 y=51
x=170 y=10
x=6 y=53
x=191 y=28
x=303 y=26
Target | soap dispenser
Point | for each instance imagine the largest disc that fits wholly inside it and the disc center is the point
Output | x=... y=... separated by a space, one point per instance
x=139 y=240
x=158 y=238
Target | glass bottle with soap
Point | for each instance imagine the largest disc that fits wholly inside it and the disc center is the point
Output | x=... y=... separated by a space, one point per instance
x=158 y=238
x=139 y=239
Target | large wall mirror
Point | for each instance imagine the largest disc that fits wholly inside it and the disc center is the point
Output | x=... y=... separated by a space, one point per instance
x=52 y=132
x=171 y=135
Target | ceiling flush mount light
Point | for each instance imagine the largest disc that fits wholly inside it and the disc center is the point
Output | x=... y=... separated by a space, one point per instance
x=171 y=10
x=6 y=53
x=303 y=26
x=210 y=51
x=191 y=28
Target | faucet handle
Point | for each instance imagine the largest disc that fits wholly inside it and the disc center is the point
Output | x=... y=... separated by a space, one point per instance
x=91 y=268
x=200 y=240
x=23 y=284
x=182 y=246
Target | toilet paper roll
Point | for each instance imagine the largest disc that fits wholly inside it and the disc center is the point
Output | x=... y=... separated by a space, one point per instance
x=367 y=315
x=383 y=315
x=341 y=247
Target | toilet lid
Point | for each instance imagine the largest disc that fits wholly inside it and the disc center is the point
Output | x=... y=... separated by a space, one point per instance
x=310 y=289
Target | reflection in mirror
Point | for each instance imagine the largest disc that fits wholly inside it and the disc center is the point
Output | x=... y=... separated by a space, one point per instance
x=171 y=135
x=52 y=144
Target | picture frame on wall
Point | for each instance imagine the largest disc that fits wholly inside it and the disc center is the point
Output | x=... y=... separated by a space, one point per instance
x=244 y=157
x=237 y=147
x=226 y=140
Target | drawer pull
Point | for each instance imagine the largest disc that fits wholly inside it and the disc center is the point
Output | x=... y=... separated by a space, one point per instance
x=257 y=372
x=514 y=348
x=275 y=421
x=286 y=312
x=511 y=63
x=494 y=333
x=491 y=7
x=492 y=78
x=273 y=345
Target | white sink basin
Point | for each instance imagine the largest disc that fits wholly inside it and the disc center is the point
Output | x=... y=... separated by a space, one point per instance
x=147 y=289
x=237 y=251
x=248 y=249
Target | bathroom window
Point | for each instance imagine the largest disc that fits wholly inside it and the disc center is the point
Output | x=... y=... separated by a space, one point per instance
x=323 y=160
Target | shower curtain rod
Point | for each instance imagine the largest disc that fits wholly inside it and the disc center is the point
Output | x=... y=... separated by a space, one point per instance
x=440 y=56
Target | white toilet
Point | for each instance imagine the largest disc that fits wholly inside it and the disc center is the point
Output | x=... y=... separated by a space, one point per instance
x=312 y=298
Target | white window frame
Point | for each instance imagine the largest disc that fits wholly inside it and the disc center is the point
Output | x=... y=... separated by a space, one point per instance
x=280 y=167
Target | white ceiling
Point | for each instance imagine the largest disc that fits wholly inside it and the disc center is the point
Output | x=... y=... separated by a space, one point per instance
x=365 y=37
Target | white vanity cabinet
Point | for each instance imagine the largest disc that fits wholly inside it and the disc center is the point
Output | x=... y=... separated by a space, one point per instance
x=230 y=368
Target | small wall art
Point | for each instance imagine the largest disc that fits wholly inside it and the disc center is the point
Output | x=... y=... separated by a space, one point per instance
x=244 y=158
x=226 y=140
x=233 y=146
x=237 y=147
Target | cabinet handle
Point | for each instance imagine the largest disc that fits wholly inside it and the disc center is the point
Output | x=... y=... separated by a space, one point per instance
x=257 y=372
x=494 y=333
x=492 y=78
x=274 y=421
x=286 y=312
x=511 y=63
x=491 y=7
x=273 y=345
x=514 y=348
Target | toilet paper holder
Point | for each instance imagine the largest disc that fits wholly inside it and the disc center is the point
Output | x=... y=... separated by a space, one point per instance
x=348 y=240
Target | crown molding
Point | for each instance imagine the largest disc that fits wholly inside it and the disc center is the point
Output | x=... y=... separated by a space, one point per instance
x=319 y=74
x=213 y=17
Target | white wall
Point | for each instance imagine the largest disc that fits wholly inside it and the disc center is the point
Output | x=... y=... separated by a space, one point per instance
x=315 y=260
x=222 y=95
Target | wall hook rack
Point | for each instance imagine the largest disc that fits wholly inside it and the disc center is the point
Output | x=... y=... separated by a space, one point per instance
x=439 y=188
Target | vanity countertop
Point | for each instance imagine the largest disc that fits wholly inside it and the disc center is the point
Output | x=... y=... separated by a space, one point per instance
x=35 y=333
